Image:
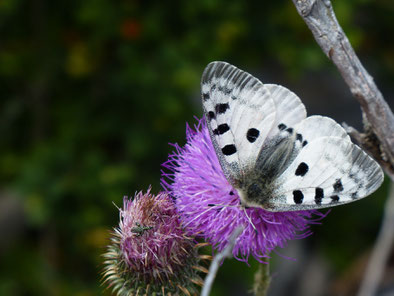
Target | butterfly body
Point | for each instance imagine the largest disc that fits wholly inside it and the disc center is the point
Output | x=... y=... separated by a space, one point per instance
x=272 y=154
x=258 y=185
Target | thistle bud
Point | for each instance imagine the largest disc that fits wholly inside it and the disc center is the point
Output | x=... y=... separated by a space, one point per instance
x=149 y=251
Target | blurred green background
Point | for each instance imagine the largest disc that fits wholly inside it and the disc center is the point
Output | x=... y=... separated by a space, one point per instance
x=92 y=92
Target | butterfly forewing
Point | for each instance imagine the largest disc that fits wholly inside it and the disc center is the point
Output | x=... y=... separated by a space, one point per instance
x=316 y=126
x=239 y=112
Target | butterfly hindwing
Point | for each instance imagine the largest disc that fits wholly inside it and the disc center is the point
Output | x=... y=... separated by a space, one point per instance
x=329 y=171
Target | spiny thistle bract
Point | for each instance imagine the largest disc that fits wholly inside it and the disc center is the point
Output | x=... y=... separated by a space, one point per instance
x=149 y=252
x=210 y=207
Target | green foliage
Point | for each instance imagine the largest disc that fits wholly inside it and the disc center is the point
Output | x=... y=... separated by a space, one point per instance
x=93 y=91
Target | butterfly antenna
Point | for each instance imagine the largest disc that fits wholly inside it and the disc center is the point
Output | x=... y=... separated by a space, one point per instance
x=219 y=205
x=250 y=221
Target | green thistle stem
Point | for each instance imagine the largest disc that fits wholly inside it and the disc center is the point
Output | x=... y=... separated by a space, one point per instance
x=262 y=280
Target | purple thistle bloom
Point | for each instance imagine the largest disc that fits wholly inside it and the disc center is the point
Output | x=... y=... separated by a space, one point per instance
x=210 y=207
x=150 y=252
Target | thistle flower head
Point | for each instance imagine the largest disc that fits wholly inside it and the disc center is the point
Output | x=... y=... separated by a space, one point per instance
x=149 y=251
x=209 y=206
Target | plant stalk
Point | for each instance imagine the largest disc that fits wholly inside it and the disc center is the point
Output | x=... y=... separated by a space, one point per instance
x=262 y=280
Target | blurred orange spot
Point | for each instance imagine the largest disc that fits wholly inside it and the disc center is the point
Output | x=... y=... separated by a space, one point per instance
x=130 y=29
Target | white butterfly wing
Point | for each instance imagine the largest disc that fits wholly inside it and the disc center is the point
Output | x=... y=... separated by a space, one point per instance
x=317 y=126
x=272 y=154
x=314 y=127
x=329 y=171
x=239 y=112
x=289 y=108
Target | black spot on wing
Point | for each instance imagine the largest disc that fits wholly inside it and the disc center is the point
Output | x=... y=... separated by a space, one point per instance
x=334 y=198
x=302 y=169
x=252 y=135
x=222 y=128
x=299 y=137
x=338 y=187
x=290 y=130
x=221 y=108
x=211 y=115
x=298 y=196
x=304 y=143
x=282 y=126
x=229 y=149
x=354 y=195
x=205 y=96
x=319 y=194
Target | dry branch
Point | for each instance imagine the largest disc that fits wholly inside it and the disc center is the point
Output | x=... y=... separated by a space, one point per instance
x=378 y=118
x=378 y=136
x=213 y=269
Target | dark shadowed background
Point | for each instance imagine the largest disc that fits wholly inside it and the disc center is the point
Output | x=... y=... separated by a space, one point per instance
x=92 y=92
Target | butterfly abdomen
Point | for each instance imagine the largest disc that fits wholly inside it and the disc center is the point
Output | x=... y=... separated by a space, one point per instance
x=276 y=155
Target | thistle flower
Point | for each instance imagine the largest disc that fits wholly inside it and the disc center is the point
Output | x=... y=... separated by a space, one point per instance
x=149 y=252
x=209 y=206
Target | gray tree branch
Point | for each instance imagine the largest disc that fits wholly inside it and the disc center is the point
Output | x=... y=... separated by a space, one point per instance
x=378 y=136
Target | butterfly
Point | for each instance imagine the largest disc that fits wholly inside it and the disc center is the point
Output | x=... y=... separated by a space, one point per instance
x=275 y=156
